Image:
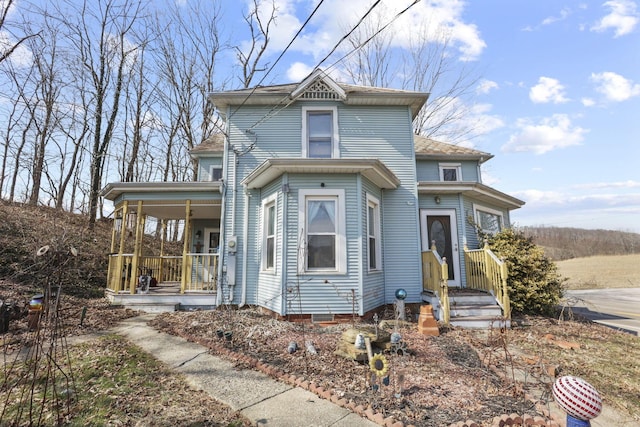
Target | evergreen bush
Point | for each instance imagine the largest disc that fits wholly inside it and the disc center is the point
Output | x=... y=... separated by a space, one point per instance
x=535 y=286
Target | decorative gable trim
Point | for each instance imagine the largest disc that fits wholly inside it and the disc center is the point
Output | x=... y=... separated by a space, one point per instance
x=319 y=86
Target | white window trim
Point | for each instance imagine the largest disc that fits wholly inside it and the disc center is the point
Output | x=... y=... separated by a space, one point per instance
x=335 y=137
x=456 y=166
x=374 y=202
x=500 y=214
x=341 y=239
x=211 y=168
x=266 y=203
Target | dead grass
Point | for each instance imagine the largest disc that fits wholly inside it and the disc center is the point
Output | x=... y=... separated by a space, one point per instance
x=599 y=272
x=604 y=357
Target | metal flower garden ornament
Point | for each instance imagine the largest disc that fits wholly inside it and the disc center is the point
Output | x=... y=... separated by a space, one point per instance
x=379 y=365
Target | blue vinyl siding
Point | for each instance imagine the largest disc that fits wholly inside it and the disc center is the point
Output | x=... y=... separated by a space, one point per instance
x=385 y=134
x=322 y=293
x=429 y=170
x=373 y=281
x=265 y=287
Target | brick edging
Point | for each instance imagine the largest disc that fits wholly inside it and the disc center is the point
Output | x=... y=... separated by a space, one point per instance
x=365 y=412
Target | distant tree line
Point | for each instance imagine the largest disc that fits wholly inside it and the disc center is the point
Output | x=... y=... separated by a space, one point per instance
x=561 y=243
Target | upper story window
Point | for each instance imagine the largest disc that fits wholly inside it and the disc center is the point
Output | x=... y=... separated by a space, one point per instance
x=450 y=172
x=322 y=221
x=215 y=172
x=320 y=132
x=490 y=221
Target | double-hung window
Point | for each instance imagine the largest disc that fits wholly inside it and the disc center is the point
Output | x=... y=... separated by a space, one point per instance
x=373 y=233
x=269 y=234
x=322 y=221
x=319 y=132
x=490 y=221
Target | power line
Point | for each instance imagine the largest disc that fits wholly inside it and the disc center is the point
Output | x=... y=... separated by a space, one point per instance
x=361 y=45
x=279 y=57
x=276 y=106
x=275 y=109
x=349 y=33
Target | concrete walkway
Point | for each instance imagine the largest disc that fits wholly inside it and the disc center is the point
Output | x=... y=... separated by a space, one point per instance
x=260 y=398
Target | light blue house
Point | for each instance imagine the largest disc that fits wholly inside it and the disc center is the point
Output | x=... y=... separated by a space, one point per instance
x=318 y=201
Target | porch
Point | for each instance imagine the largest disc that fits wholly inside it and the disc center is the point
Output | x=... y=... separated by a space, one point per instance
x=164 y=245
x=483 y=301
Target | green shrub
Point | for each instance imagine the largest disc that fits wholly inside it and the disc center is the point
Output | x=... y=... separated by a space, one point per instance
x=535 y=286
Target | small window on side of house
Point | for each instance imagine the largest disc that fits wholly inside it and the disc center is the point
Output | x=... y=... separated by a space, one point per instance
x=373 y=233
x=450 y=172
x=215 y=172
x=269 y=230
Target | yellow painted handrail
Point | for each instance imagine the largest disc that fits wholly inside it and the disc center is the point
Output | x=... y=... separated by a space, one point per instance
x=435 y=276
x=486 y=272
x=201 y=275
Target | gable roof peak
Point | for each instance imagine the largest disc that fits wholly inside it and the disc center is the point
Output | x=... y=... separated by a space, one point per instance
x=318 y=85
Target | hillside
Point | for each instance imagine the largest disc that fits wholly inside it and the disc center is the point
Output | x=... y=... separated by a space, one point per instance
x=26 y=230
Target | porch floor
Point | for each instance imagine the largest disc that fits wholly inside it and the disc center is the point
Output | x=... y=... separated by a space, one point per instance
x=164 y=297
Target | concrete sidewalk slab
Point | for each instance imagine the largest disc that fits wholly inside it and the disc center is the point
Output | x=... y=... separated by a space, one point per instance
x=298 y=407
x=260 y=398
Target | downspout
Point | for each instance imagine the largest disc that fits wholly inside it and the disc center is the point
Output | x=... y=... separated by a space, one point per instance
x=362 y=266
x=233 y=222
x=222 y=242
x=245 y=248
x=223 y=222
x=285 y=214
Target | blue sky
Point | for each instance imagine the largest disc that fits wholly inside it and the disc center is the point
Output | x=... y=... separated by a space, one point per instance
x=558 y=97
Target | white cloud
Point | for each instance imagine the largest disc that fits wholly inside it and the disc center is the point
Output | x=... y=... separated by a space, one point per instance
x=622 y=18
x=298 y=71
x=614 y=86
x=547 y=90
x=551 y=133
x=588 y=102
x=485 y=86
x=609 y=185
x=551 y=19
x=336 y=17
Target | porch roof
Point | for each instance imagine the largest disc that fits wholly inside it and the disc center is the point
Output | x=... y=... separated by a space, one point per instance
x=476 y=190
x=168 y=200
x=372 y=169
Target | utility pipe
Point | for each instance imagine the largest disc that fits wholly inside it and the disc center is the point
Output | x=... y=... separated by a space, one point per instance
x=245 y=247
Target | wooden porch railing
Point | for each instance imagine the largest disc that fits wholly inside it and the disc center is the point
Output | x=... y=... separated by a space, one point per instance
x=435 y=276
x=200 y=273
x=486 y=272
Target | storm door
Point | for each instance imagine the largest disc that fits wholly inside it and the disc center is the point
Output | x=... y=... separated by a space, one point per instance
x=439 y=226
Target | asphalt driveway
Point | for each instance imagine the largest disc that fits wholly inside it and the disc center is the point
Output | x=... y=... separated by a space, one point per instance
x=618 y=308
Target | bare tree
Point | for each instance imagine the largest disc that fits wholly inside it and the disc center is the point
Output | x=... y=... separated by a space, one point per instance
x=6 y=26
x=188 y=48
x=101 y=38
x=249 y=57
x=427 y=65
x=47 y=89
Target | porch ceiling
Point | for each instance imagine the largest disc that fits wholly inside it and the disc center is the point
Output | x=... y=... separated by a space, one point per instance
x=270 y=169
x=167 y=200
x=475 y=190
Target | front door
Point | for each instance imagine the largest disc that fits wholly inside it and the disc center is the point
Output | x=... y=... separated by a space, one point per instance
x=439 y=226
